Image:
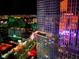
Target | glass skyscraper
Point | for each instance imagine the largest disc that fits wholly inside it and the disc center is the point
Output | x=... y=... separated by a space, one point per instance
x=48 y=15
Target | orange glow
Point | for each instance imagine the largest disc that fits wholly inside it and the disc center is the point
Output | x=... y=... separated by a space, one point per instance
x=63 y=5
x=74 y=19
x=62 y=26
x=63 y=23
x=72 y=26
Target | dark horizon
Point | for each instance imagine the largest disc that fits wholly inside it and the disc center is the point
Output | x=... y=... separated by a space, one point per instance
x=17 y=7
x=13 y=7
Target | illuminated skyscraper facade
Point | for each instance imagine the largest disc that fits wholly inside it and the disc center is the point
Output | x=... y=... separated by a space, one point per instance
x=68 y=27
x=48 y=15
x=48 y=12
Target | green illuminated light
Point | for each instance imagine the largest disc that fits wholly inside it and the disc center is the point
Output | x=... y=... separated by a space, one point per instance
x=14 y=36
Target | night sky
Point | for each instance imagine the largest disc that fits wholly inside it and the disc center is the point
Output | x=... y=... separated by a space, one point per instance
x=18 y=7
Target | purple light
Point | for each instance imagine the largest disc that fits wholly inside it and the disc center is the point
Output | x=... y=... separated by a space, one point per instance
x=64 y=33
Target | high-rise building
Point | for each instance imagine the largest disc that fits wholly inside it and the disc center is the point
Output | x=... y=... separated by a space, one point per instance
x=48 y=15
x=69 y=27
x=69 y=20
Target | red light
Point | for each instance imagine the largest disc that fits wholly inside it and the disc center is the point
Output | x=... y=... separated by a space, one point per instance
x=32 y=52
